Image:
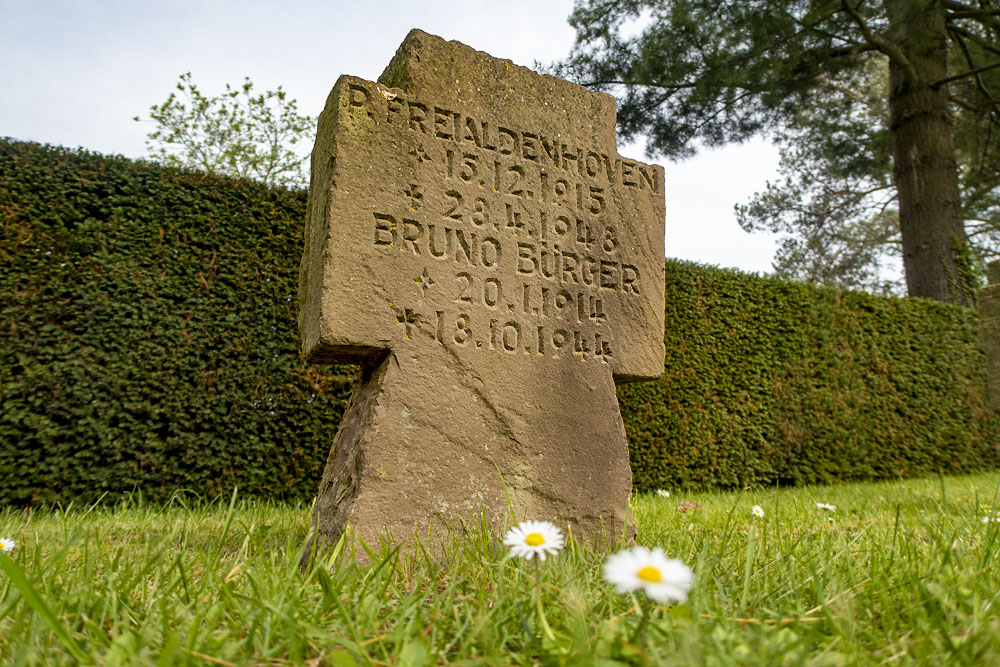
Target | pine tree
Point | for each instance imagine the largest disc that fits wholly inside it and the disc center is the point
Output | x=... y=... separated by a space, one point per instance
x=689 y=71
x=834 y=204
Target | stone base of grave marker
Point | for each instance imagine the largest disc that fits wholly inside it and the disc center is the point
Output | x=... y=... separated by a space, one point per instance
x=428 y=442
x=989 y=328
x=477 y=244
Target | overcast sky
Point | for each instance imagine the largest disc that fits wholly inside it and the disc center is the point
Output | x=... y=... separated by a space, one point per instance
x=75 y=73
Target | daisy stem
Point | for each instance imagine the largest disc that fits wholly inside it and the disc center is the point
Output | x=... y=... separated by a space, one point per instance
x=748 y=568
x=538 y=602
x=640 y=632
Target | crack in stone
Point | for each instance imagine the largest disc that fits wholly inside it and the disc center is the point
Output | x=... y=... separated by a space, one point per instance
x=506 y=428
x=448 y=439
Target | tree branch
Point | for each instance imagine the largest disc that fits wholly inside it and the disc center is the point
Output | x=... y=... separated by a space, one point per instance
x=962 y=10
x=725 y=107
x=854 y=96
x=959 y=11
x=985 y=45
x=973 y=14
x=885 y=46
x=968 y=106
x=814 y=26
x=980 y=84
x=851 y=50
x=971 y=72
x=955 y=6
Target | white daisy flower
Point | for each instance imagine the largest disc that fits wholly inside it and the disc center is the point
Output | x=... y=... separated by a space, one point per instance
x=534 y=537
x=757 y=510
x=660 y=578
x=663 y=494
x=989 y=519
x=825 y=506
x=7 y=544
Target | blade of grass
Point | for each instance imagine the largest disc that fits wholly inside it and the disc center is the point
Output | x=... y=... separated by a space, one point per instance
x=35 y=601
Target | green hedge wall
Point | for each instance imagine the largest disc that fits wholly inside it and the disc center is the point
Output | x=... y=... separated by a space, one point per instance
x=772 y=382
x=149 y=344
x=147 y=334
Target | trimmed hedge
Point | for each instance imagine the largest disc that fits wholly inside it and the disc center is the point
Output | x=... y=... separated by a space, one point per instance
x=149 y=337
x=768 y=381
x=149 y=344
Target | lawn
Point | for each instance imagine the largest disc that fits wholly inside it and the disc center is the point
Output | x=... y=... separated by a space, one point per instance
x=900 y=573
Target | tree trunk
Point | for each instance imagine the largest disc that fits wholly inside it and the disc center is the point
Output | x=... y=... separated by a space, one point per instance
x=935 y=246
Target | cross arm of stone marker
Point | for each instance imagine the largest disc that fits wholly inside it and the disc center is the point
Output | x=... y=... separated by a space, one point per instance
x=476 y=243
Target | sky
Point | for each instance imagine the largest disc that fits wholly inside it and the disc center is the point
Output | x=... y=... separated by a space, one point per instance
x=76 y=73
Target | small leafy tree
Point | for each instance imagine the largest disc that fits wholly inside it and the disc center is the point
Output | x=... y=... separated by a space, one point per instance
x=238 y=134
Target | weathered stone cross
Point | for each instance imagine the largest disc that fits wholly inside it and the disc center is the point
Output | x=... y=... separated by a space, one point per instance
x=477 y=244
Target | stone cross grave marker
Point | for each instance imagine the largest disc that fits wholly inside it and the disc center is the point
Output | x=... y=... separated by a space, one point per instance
x=475 y=242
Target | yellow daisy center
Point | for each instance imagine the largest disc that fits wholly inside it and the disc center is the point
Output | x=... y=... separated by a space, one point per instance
x=534 y=539
x=650 y=574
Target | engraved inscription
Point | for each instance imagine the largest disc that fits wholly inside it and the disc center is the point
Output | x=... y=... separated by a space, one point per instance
x=524 y=224
x=466 y=134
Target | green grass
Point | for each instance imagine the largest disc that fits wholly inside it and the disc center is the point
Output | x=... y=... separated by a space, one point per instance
x=901 y=573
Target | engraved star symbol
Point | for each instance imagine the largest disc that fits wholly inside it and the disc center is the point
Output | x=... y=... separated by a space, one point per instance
x=424 y=280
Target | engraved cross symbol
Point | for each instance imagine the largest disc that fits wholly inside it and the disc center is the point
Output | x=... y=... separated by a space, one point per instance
x=420 y=154
x=546 y=251
x=410 y=319
x=413 y=192
x=424 y=280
